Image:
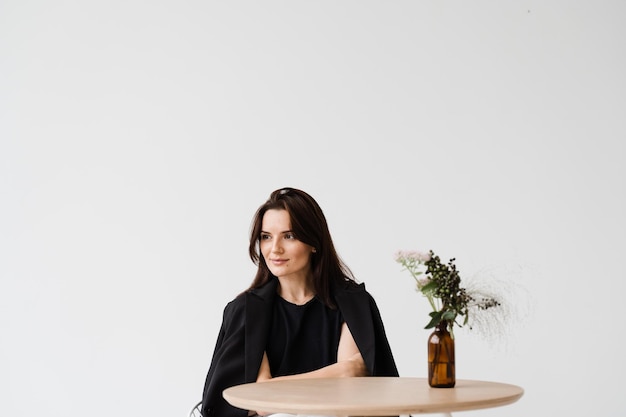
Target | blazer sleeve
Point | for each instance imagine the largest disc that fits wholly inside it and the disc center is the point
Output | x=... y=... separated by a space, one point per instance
x=228 y=364
x=363 y=317
x=385 y=364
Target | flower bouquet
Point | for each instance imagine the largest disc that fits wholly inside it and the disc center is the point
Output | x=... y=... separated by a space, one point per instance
x=440 y=283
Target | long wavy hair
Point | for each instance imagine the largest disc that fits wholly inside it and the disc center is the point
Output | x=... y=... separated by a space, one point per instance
x=309 y=226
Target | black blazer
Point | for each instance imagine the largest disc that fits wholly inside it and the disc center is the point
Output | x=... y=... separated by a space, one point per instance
x=243 y=336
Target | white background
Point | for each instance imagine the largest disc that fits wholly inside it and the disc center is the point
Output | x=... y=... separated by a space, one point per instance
x=137 y=138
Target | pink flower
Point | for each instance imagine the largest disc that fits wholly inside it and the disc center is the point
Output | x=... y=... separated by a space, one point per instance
x=412 y=255
x=421 y=282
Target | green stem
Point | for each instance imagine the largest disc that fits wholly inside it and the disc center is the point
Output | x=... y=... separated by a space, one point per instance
x=432 y=302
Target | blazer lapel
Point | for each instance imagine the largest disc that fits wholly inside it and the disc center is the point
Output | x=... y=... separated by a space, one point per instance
x=259 y=302
x=355 y=308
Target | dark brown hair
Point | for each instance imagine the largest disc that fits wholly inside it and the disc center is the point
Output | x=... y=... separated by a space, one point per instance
x=309 y=226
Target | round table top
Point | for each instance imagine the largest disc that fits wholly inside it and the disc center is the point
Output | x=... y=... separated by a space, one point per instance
x=369 y=396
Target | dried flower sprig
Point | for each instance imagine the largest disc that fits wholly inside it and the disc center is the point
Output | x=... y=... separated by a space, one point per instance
x=441 y=285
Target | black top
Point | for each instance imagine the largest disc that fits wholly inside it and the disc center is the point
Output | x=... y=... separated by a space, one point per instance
x=302 y=338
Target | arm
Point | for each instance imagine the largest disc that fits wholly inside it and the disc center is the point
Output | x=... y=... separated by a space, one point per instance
x=227 y=363
x=349 y=362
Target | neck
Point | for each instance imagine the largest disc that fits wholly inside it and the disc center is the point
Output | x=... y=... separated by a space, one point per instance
x=295 y=292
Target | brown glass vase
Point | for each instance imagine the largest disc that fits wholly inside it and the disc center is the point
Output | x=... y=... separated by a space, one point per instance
x=441 y=370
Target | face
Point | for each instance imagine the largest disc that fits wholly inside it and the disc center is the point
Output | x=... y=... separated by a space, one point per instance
x=285 y=256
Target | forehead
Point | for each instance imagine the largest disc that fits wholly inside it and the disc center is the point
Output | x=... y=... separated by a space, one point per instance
x=276 y=219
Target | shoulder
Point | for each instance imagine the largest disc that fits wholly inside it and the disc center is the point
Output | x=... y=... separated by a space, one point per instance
x=352 y=289
x=251 y=297
x=235 y=308
x=353 y=296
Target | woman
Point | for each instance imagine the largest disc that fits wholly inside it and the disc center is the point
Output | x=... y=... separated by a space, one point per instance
x=304 y=315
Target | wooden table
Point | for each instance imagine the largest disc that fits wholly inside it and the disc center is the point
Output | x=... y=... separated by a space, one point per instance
x=369 y=396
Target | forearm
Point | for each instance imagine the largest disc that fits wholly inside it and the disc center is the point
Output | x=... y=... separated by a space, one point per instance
x=349 y=363
x=350 y=367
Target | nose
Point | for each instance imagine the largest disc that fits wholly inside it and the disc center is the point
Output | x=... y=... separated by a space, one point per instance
x=276 y=247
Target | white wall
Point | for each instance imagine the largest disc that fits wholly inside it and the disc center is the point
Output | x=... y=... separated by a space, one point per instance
x=138 y=137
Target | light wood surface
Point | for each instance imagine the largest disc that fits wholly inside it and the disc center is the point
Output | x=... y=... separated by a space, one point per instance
x=369 y=396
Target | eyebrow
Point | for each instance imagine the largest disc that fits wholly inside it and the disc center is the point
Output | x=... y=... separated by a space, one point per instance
x=281 y=233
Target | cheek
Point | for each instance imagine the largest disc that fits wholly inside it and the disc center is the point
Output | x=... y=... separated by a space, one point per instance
x=263 y=247
x=304 y=255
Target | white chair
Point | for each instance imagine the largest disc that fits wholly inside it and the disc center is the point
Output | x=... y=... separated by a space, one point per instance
x=195 y=411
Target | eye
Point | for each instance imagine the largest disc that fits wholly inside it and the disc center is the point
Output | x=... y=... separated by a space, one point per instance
x=290 y=236
x=265 y=236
